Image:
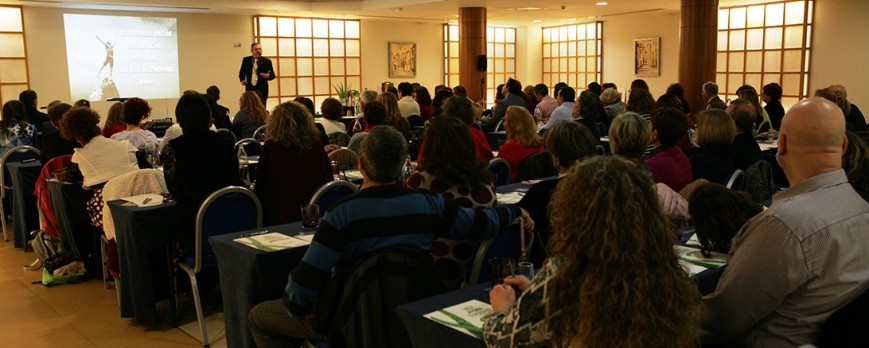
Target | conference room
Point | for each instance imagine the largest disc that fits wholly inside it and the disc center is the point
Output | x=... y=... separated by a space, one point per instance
x=111 y=52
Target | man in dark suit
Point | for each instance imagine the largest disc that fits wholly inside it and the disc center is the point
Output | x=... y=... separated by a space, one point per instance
x=710 y=93
x=34 y=116
x=258 y=81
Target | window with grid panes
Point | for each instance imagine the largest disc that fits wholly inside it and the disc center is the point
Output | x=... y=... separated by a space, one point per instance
x=13 y=55
x=310 y=56
x=573 y=54
x=764 y=43
x=500 y=54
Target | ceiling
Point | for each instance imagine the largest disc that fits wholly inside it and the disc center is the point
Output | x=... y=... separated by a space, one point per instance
x=503 y=12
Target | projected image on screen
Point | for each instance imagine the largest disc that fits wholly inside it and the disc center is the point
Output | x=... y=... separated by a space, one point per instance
x=115 y=56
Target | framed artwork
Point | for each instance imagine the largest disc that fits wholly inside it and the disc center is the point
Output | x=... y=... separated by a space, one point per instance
x=647 y=56
x=402 y=59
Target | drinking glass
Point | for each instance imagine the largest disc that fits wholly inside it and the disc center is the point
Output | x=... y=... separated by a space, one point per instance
x=527 y=269
x=499 y=268
x=310 y=216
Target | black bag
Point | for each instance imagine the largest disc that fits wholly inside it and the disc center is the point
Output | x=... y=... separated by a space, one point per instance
x=45 y=245
x=70 y=173
x=59 y=260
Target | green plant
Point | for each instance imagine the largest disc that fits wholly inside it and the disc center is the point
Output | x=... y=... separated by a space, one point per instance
x=343 y=90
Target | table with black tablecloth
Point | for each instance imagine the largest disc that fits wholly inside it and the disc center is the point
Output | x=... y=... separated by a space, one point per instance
x=495 y=139
x=68 y=201
x=24 y=212
x=427 y=333
x=144 y=236
x=249 y=276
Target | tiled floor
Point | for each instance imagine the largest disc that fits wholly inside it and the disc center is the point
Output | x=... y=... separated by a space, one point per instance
x=77 y=315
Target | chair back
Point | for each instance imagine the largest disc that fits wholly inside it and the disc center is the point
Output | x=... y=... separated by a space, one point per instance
x=500 y=168
x=252 y=147
x=759 y=181
x=230 y=209
x=16 y=154
x=227 y=134
x=602 y=129
x=536 y=166
x=339 y=138
x=330 y=193
x=847 y=326
x=499 y=126
x=415 y=121
x=734 y=181
x=506 y=244
x=346 y=158
x=260 y=134
x=763 y=127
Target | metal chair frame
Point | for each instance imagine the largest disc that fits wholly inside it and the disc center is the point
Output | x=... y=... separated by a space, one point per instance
x=3 y=184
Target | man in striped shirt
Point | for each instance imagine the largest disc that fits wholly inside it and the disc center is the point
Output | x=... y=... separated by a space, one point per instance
x=382 y=215
x=805 y=257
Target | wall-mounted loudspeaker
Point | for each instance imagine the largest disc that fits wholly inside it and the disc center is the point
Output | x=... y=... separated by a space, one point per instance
x=481 y=62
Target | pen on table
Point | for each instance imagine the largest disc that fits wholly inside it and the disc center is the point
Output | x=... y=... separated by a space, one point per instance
x=146 y=200
x=254 y=233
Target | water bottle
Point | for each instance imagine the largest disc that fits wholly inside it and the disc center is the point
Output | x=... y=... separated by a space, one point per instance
x=408 y=168
x=242 y=166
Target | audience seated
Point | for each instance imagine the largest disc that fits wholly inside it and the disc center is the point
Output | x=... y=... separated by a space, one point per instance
x=136 y=110
x=197 y=163
x=710 y=94
x=438 y=101
x=854 y=118
x=668 y=163
x=309 y=104
x=772 y=97
x=219 y=113
x=545 y=104
x=528 y=91
x=115 y=120
x=462 y=92
x=612 y=281
x=568 y=142
x=175 y=130
x=718 y=214
x=382 y=215
x=251 y=115
x=394 y=118
x=53 y=144
x=612 y=103
x=453 y=172
x=856 y=124
x=678 y=90
x=746 y=151
x=14 y=128
x=640 y=101
x=588 y=111
x=374 y=114
x=292 y=164
x=639 y=84
x=713 y=159
x=748 y=93
x=806 y=256
x=855 y=162
x=462 y=108
x=423 y=99
x=522 y=139
x=332 y=112
x=32 y=114
x=562 y=113
x=512 y=92
x=407 y=106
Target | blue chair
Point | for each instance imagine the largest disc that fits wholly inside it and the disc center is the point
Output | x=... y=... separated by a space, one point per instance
x=500 y=168
x=536 y=166
x=16 y=154
x=331 y=192
x=228 y=134
x=230 y=209
x=734 y=180
x=259 y=134
x=251 y=146
x=506 y=244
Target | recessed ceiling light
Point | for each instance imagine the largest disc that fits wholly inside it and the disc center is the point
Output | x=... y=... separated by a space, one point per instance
x=601 y=3
x=537 y=21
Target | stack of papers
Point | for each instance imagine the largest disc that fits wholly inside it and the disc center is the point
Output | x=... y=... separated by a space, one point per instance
x=145 y=200
x=464 y=317
x=510 y=198
x=693 y=256
x=273 y=241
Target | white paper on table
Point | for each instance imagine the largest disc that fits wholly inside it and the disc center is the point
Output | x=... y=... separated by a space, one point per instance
x=694 y=256
x=693 y=241
x=471 y=312
x=353 y=174
x=510 y=198
x=692 y=269
x=305 y=237
x=271 y=241
x=146 y=200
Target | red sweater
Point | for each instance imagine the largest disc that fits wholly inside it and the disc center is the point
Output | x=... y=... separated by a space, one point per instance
x=514 y=152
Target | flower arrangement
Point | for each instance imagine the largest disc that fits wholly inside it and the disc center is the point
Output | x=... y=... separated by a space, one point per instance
x=345 y=92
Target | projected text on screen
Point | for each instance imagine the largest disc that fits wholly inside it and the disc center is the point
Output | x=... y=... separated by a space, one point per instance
x=116 y=56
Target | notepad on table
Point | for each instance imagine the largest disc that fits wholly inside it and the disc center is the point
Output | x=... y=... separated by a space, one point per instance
x=305 y=237
x=510 y=198
x=271 y=241
x=466 y=317
x=146 y=200
x=693 y=256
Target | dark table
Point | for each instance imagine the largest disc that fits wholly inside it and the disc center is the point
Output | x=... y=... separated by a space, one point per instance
x=427 y=333
x=68 y=201
x=24 y=212
x=144 y=236
x=249 y=276
x=494 y=138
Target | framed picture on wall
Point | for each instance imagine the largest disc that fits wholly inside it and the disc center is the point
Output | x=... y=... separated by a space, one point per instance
x=402 y=59
x=647 y=56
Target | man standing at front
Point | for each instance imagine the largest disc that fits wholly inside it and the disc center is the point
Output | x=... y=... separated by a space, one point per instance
x=256 y=72
x=806 y=256
x=383 y=214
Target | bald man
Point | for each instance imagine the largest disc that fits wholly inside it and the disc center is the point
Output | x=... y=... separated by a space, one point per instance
x=806 y=256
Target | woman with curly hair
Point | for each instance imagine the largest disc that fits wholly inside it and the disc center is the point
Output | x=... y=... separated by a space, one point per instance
x=453 y=171
x=251 y=115
x=613 y=280
x=522 y=139
x=115 y=120
x=718 y=214
x=641 y=102
x=136 y=110
x=393 y=114
x=292 y=164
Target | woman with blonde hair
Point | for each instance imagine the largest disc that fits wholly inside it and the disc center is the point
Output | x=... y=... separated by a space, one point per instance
x=613 y=280
x=251 y=115
x=713 y=159
x=115 y=120
x=393 y=114
x=611 y=99
x=630 y=136
x=292 y=164
x=522 y=139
